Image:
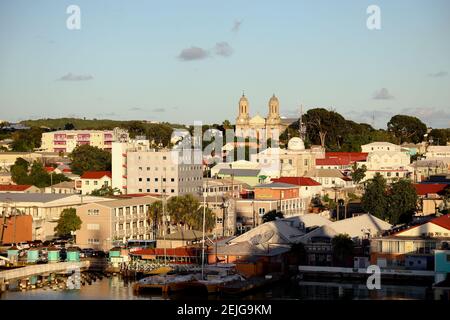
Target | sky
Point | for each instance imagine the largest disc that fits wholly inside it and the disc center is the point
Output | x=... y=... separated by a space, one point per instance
x=185 y=61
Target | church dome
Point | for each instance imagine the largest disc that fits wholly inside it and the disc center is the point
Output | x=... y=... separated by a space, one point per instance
x=243 y=100
x=273 y=100
x=296 y=144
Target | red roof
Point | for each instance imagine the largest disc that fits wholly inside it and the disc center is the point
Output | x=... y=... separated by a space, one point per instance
x=442 y=221
x=12 y=187
x=423 y=189
x=332 y=162
x=67 y=170
x=341 y=158
x=49 y=169
x=96 y=174
x=299 y=181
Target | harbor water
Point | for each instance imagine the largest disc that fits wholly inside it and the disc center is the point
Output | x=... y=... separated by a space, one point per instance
x=116 y=288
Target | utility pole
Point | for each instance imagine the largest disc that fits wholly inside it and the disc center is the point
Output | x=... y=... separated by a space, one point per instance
x=203 y=236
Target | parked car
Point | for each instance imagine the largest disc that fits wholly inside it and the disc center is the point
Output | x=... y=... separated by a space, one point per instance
x=88 y=252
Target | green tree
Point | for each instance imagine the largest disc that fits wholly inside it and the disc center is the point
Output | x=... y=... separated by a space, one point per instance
x=407 y=128
x=22 y=173
x=105 y=191
x=67 y=222
x=343 y=249
x=69 y=126
x=19 y=171
x=26 y=140
x=156 y=217
x=272 y=215
x=374 y=200
x=186 y=210
x=402 y=201
x=358 y=173
x=87 y=158
x=439 y=136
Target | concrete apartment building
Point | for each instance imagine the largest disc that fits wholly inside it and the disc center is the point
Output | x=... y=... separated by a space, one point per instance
x=67 y=140
x=137 y=168
x=44 y=208
x=272 y=196
x=114 y=220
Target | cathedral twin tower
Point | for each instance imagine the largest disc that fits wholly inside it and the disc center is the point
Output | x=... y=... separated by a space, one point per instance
x=257 y=126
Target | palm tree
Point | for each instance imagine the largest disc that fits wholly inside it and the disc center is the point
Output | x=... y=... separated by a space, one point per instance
x=156 y=216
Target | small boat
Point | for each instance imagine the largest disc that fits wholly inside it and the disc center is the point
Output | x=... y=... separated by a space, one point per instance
x=165 y=283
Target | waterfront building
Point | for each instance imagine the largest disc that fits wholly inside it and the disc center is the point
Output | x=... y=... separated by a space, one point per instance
x=112 y=221
x=16 y=229
x=93 y=180
x=137 y=168
x=412 y=248
x=67 y=140
x=44 y=208
x=223 y=187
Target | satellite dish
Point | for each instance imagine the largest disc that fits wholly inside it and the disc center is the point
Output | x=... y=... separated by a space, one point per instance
x=255 y=240
x=266 y=236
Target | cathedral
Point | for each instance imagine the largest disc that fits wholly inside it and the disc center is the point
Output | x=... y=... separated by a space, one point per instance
x=257 y=126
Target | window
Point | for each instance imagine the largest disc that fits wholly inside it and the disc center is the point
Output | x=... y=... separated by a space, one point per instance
x=140 y=190
x=448 y=258
x=148 y=179
x=140 y=168
x=95 y=183
x=156 y=179
x=172 y=180
x=172 y=190
x=87 y=182
x=148 y=190
x=93 y=212
x=306 y=162
x=148 y=168
x=93 y=226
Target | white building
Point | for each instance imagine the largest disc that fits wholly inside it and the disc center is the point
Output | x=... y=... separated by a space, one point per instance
x=93 y=180
x=294 y=161
x=437 y=152
x=136 y=168
x=387 y=159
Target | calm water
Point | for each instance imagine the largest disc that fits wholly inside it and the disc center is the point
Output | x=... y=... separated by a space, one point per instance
x=115 y=288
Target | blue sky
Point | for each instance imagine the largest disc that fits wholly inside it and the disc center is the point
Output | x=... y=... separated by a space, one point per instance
x=134 y=59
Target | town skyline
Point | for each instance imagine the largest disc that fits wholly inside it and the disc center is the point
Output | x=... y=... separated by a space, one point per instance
x=318 y=55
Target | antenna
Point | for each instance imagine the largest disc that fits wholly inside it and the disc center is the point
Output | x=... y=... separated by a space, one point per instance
x=301 y=127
